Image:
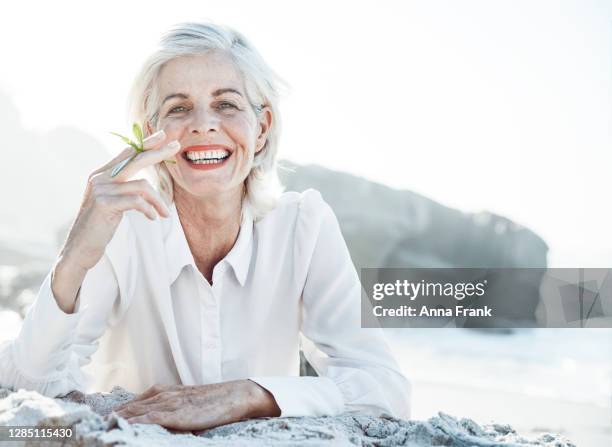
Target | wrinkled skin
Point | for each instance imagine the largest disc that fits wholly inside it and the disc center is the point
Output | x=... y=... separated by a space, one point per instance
x=198 y=407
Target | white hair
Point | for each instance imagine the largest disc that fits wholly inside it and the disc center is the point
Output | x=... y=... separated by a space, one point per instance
x=262 y=185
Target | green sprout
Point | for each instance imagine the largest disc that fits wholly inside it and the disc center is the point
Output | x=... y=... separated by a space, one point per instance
x=138 y=146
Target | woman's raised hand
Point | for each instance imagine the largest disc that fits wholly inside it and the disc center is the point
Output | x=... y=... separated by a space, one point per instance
x=105 y=200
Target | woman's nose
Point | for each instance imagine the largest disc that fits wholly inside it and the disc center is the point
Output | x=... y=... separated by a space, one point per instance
x=203 y=121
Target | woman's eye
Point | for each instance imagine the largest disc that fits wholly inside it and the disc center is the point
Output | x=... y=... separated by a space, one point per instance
x=176 y=109
x=222 y=106
x=226 y=105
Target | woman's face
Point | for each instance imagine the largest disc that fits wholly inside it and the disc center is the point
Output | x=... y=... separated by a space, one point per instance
x=204 y=106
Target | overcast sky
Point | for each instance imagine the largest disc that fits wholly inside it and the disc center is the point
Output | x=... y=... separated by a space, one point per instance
x=482 y=105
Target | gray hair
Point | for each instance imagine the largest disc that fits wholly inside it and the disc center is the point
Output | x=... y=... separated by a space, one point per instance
x=262 y=185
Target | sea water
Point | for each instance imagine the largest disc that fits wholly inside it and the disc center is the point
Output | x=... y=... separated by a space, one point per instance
x=565 y=364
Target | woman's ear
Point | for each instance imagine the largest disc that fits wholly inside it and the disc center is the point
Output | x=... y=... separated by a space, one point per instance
x=264 y=118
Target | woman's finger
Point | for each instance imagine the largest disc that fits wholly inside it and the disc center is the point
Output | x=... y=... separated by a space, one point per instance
x=154 y=417
x=169 y=399
x=123 y=203
x=151 y=142
x=141 y=408
x=138 y=399
x=148 y=158
x=155 y=140
x=153 y=391
x=123 y=155
x=119 y=166
x=143 y=188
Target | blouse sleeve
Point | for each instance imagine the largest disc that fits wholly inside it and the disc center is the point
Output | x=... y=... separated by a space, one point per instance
x=52 y=346
x=357 y=371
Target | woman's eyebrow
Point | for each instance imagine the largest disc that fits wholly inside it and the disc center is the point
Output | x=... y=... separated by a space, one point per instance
x=220 y=91
x=217 y=92
x=174 y=95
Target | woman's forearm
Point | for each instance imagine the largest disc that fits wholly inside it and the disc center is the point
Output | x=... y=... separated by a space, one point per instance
x=66 y=281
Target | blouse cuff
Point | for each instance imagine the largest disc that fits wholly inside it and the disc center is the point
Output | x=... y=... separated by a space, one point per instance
x=46 y=334
x=67 y=377
x=303 y=396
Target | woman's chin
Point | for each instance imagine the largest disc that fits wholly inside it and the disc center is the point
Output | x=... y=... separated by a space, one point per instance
x=209 y=189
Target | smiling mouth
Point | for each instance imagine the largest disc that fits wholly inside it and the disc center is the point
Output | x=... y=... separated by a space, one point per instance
x=207 y=160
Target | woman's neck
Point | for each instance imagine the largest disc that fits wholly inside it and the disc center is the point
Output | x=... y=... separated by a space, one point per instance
x=211 y=225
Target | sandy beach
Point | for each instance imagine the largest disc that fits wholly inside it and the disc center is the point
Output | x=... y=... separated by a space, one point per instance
x=543 y=381
x=586 y=425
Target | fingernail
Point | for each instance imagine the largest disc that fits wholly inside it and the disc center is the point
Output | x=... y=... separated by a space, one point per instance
x=174 y=145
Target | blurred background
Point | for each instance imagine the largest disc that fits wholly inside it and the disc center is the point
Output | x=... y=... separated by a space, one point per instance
x=443 y=133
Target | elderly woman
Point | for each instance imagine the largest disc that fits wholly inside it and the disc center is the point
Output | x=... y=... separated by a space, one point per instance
x=199 y=293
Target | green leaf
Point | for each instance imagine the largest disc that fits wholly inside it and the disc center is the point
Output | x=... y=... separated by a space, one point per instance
x=138 y=134
x=136 y=147
x=126 y=140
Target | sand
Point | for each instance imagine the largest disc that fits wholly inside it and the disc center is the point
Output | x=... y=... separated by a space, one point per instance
x=96 y=425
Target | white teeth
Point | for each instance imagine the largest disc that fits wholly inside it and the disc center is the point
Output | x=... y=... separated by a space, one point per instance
x=207 y=155
x=208 y=162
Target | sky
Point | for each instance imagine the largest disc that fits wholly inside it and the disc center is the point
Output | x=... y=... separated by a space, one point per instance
x=482 y=105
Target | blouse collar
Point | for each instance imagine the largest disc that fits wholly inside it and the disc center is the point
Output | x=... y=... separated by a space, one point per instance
x=178 y=253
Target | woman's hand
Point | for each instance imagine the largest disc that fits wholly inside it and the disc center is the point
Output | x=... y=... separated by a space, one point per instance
x=104 y=202
x=106 y=199
x=200 y=407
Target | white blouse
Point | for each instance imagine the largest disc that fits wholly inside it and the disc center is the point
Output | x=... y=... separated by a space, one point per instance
x=145 y=315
